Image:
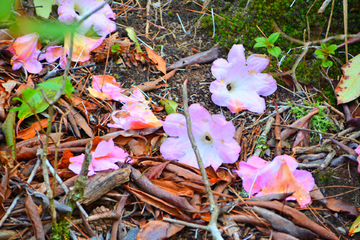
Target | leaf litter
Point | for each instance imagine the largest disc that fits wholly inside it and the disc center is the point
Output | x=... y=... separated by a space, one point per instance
x=148 y=188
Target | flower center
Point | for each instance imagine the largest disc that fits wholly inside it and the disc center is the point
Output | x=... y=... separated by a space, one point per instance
x=207 y=138
x=229 y=87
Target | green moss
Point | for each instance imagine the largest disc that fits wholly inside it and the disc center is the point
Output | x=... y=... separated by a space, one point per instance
x=243 y=30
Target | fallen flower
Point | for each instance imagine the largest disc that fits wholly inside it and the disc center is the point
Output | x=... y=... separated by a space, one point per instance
x=104 y=157
x=26 y=50
x=212 y=133
x=279 y=176
x=134 y=115
x=357 y=150
x=239 y=82
x=70 y=10
x=105 y=88
x=81 y=49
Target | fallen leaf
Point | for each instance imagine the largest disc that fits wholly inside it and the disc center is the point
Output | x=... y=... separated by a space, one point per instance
x=34 y=216
x=158 y=230
x=348 y=88
x=157 y=59
x=339 y=205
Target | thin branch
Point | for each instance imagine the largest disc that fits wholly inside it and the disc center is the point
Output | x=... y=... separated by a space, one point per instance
x=214 y=208
x=16 y=199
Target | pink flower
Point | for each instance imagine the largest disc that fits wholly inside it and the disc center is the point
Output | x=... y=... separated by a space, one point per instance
x=279 y=176
x=134 y=116
x=105 y=88
x=357 y=150
x=239 y=82
x=26 y=50
x=81 y=49
x=70 y=10
x=212 y=133
x=104 y=157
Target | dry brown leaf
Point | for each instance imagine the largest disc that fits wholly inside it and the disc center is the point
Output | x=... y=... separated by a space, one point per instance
x=157 y=59
x=34 y=216
x=158 y=230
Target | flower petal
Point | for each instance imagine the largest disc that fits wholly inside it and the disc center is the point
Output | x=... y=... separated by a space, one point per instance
x=257 y=62
x=219 y=68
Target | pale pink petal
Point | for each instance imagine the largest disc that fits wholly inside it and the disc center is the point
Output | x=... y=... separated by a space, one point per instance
x=264 y=83
x=33 y=66
x=257 y=62
x=291 y=162
x=250 y=101
x=357 y=150
x=220 y=68
x=53 y=53
x=257 y=162
x=220 y=95
x=175 y=148
x=236 y=55
x=104 y=148
x=305 y=178
x=103 y=165
x=175 y=125
x=119 y=154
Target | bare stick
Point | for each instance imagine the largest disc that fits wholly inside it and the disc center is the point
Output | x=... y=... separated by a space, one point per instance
x=345 y=7
x=16 y=199
x=214 y=209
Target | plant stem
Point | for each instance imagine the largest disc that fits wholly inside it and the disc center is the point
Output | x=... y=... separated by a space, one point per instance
x=214 y=208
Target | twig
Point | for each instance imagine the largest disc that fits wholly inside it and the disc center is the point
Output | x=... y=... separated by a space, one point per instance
x=214 y=208
x=16 y=199
x=323 y=6
x=330 y=17
x=328 y=159
x=334 y=110
x=345 y=8
x=281 y=110
x=63 y=186
x=266 y=131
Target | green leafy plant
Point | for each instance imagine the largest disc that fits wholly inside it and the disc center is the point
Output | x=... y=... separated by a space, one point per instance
x=36 y=100
x=268 y=43
x=170 y=106
x=116 y=49
x=319 y=122
x=324 y=53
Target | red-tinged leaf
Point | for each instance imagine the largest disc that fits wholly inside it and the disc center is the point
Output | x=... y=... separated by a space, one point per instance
x=157 y=108
x=158 y=230
x=339 y=205
x=146 y=185
x=31 y=131
x=155 y=171
x=156 y=202
x=64 y=161
x=157 y=59
x=206 y=216
x=34 y=216
x=174 y=188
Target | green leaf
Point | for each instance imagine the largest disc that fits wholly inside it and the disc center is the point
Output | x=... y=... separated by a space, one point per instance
x=348 y=88
x=273 y=37
x=43 y=7
x=260 y=44
x=170 y=106
x=327 y=63
x=319 y=52
x=355 y=227
x=132 y=35
x=8 y=128
x=275 y=51
x=332 y=48
x=33 y=100
x=5 y=9
x=323 y=46
x=261 y=39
